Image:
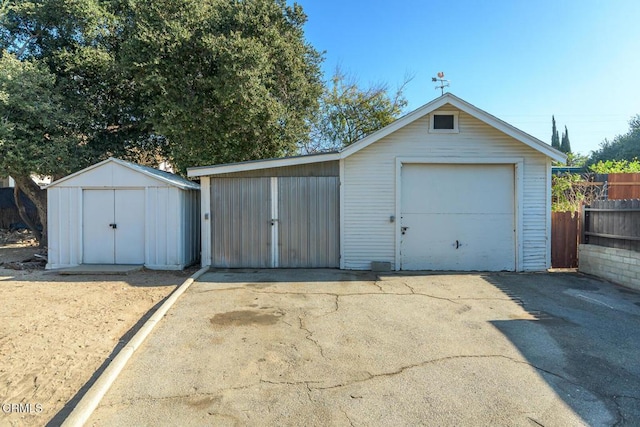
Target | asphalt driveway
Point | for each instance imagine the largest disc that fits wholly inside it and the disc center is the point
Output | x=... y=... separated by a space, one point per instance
x=327 y=347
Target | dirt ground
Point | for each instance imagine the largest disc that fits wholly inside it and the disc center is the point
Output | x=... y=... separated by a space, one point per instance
x=58 y=330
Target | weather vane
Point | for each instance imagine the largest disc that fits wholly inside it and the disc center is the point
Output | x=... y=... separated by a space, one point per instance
x=443 y=83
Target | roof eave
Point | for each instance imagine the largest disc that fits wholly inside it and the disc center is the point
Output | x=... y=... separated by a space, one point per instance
x=260 y=164
x=182 y=186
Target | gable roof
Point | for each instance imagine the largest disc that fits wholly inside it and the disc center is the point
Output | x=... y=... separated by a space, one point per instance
x=447 y=98
x=166 y=177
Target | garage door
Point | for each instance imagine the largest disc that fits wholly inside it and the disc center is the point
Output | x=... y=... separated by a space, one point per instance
x=457 y=217
x=309 y=218
x=241 y=222
x=113 y=226
x=286 y=222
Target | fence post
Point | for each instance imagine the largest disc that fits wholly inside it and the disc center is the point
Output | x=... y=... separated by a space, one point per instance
x=584 y=224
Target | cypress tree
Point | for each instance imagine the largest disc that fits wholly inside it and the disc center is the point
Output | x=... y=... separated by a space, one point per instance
x=555 y=139
x=565 y=146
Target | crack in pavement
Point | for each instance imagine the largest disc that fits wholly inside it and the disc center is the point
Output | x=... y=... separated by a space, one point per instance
x=337 y=307
x=314 y=385
x=347 y=417
x=433 y=361
x=356 y=294
x=621 y=419
x=378 y=286
x=309 y=335
x=413 y=291
x=535 y=422
x=309 y=393
x=351 y=294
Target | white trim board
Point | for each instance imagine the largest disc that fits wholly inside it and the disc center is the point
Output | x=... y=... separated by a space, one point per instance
x=205 y=221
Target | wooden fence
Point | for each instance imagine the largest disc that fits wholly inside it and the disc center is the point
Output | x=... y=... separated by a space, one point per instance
x=623 y=186
x=613 y=223
x=565 y=235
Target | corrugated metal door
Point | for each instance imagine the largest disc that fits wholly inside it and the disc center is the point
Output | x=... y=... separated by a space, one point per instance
x=309 y=218
x=288 y=222
x=458 y=217
x=241 y=222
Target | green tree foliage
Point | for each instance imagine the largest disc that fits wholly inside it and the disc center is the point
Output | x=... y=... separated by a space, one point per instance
x=31 y=111
x=555 y=138
x=348 y=113
x=616 y=166
x=225 y=81
x=81 y=41
x=31 y=138
x=75 y=44
x=623 y=147
x=576 y=159
x=565 y=145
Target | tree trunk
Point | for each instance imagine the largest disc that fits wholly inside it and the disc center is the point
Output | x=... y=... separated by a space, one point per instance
x=23 y=213
x=39 y=199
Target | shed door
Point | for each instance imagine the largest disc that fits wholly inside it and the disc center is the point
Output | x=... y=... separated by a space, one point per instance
x=113 y=227
x=458 y=217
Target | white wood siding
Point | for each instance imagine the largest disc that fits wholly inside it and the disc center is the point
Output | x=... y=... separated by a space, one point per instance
x=369 y=193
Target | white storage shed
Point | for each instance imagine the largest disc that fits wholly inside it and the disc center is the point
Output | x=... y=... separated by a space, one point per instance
x=446 y=187
x=118 y=212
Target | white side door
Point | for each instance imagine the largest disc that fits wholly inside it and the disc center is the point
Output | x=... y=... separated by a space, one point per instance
x=129 y=232
x=98 y=236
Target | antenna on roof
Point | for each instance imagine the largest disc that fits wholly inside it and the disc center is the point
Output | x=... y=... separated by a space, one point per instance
x=443 y=83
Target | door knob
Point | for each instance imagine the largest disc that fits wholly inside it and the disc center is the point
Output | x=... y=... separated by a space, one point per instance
x=114 y=226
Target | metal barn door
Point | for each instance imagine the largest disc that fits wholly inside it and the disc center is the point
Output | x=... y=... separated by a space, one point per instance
x=309 y=218
x=267 y=222
x=241 y=222
x=113 y=227
x=457 y=217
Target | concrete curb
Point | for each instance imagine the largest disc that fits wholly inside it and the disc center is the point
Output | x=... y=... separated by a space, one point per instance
x=94 y=395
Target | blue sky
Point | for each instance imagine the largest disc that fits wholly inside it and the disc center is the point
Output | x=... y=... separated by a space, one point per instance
x=520 y=60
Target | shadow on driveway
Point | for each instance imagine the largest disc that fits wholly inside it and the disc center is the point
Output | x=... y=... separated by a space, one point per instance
x=585 y=335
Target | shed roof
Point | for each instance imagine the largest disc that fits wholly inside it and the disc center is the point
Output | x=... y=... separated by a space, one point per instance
x=166 y=177
x=447 y=98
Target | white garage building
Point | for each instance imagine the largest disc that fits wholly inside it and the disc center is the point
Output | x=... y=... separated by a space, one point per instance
x=117 y=212
x=446 y=187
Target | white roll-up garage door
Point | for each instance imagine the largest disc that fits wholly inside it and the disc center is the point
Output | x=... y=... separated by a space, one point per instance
x=458 y=217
